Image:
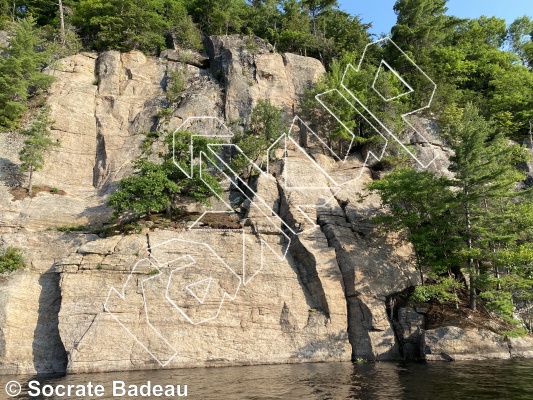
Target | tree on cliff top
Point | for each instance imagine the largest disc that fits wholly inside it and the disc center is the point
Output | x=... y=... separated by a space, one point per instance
x=21 y=74
x=129 y=24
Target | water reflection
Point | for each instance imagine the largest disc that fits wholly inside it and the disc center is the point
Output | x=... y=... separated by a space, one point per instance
x=488 y=380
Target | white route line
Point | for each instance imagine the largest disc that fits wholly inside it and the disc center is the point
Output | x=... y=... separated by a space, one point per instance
x=270 y=216
x=411 y=90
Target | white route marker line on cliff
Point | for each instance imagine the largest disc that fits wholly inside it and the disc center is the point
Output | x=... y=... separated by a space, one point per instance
x=404 y=116
x=269 y=215
x=122 y=296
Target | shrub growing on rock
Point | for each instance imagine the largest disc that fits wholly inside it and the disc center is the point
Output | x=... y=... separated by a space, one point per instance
x=11 y=259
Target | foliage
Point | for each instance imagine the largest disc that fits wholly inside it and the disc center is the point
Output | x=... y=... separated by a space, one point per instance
x=515 y=333
x=499 y=301
x=267 y=123
x=187 y=35
x=175 y=86
x=11 y=259
x=20 y=72
x=443 y=291
x=150 y=189
x=468 y=221
x=157 y=187
x=419 y=204
x=220 y=17
x=36 y=145
x=72 y=228
x=485 y=177
x=127 y=24
x=520 y=35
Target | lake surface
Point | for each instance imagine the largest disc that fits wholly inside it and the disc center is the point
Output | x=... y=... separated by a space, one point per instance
x=511 y=379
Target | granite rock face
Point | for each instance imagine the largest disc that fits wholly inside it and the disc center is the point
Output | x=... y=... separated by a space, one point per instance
x=271 y=319
x=250 y=70
x=409 y=326
x=521 y=347
x=30 y=303
x=307 y=285
x=451 y=343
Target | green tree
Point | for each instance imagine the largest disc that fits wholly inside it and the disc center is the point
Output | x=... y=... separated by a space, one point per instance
x=21 y=74
x=128 y=24
x=355 y=124
x=338 y=33
x=157 y=187
x=424 y=32
x=219 y=17
x=150 y=189
x=267 y=121
x=296 y=35
x=5 y=12
x=266 y=125
x=419 y=204
x=520 y=35
x=484 y=173
x=421 y=26
x=510 y=100
x=265 y=20
x=36 y=146
x=476 y=221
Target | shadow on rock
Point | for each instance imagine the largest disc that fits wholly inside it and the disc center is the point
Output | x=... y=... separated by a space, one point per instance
x=49 y=355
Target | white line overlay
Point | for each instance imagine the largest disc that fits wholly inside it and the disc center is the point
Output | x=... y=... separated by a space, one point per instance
x=198 y=284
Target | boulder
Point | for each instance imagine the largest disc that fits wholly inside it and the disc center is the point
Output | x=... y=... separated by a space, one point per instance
x=521 y=347
x=409 y=326
x=451 y=343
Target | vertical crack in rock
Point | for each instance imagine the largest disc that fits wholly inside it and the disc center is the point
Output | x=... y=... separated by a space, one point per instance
x=49 y=354
x=100 y=170
x=335 y=226
x=148 y=245
x=306 y=265
x=370 y=332
x=100 y=163
x=305 y=260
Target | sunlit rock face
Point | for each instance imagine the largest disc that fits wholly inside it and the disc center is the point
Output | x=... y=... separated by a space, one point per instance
x=305 y=278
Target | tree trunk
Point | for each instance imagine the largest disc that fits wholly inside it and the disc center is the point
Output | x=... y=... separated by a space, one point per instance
x=471 y=270
x=472 y=290
x=303 y=134
x=419 y=267
x=30 y=184
x=61 y=23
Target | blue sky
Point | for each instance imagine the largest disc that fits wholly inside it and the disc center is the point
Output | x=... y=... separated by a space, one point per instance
x=380 y=12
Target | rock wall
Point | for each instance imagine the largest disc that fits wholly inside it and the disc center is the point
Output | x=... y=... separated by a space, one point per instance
x=276 y=291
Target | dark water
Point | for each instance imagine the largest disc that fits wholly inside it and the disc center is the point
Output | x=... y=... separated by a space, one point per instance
x=458 y=380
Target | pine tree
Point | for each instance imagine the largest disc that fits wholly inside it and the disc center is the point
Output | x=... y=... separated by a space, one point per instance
x=20 y=72
x=36 y=146
x=485 y=175
x=219 y=17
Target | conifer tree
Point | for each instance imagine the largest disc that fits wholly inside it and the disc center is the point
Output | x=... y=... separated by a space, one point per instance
x=20 y=72
x=484 y=174
x=36 y=146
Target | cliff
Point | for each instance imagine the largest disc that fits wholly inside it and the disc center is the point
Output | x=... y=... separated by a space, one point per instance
x=305 y=278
